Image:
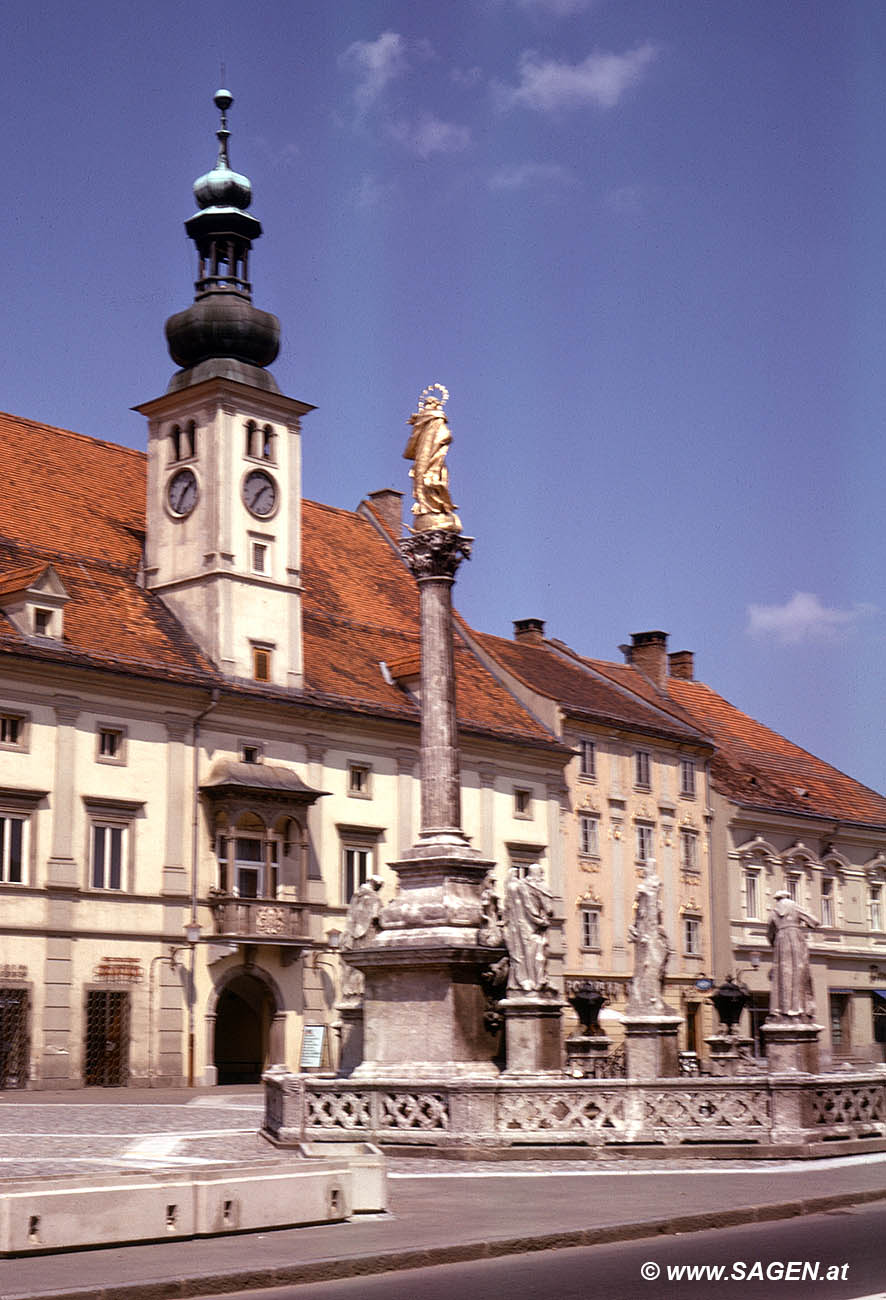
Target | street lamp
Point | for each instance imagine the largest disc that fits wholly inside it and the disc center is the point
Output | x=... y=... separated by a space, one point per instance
x=192 y=935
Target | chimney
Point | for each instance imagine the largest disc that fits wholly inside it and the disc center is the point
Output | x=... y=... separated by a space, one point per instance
x=530 y=630
x=681 y=664
x=649 y=653
x=388 y=505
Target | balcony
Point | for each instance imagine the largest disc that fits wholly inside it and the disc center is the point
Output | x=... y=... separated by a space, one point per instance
x=260 y=920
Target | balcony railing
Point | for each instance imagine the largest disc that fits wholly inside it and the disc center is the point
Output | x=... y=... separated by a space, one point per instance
x=271 y=920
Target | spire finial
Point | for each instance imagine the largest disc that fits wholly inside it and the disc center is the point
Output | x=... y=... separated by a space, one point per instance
x=223 y=99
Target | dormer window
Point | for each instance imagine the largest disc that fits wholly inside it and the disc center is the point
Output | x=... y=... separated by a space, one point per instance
x=43 y=622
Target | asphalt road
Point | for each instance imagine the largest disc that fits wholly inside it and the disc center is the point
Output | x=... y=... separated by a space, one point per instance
x=851 y=1241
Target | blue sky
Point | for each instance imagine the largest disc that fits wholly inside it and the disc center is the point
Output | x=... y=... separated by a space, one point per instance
x=642 y=244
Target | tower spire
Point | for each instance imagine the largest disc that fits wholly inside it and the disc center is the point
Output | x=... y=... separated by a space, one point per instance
x=221 y=334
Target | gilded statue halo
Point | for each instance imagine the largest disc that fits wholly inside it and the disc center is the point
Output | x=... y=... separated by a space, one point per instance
x=429 y=393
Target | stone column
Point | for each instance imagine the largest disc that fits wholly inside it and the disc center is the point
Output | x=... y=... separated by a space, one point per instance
x=424 y=1002
x=434 y=558
x=175 y=880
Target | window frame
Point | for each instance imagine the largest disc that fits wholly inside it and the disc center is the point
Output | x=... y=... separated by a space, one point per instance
x=751 y=876
x=587 y=759
x=262 y=657
x=589 y=846
x=119 y=757
x=642 y=769
x=361 y=789
x=688 y=774
x=644 y=830
x=9 y=816
x=692 y=935
x=828 y=902
x=523 y=803
x=113 y=814
x=689 y=861
x=875 y=906
x=587 y=941
x=21 y=742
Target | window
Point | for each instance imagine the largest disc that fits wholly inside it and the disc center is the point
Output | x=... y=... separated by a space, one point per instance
x=590 y=927
x=642 y=769
x=588 y=835
x=827 y=900
x=255 y=870
x=875 y=906
x=358 y=780
x=839 y=1009
x=259 y=557
x=522 y=803
x=357 y=867
x=692 y=936
x=644 y=842
x=13 y=832
x=259 y=441
x=751 y=882
x=689 y=850
x=184 y=441
x=587 y=759
x=12 y=730
x=261 y=663
x=250 y=753
x=43 y=622
x=687 y=778
x=107 y=856
x=792 y=885
x=110 y=744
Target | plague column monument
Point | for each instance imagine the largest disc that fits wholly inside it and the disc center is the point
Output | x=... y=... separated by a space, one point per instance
x=423 y=998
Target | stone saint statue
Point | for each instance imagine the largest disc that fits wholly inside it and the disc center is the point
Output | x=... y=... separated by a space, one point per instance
x=427 y=447
x=361 y=920
x=791 y=995
x=527 y=915
x=651 y=949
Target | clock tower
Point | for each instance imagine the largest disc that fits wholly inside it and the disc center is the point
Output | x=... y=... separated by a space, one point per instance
x=223 y=539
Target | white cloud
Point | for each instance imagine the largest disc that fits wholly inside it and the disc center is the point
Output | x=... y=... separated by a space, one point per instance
x=430 y=135
x=803 y=618
x=376 y=64
x=520 y=176
x=601 y=79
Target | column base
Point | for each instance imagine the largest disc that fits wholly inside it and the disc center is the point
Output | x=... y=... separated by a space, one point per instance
x=791 y=1048
x=532 y=1034
x=651 y=1046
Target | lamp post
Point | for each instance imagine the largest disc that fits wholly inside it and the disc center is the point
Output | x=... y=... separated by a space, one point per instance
x=192 y=935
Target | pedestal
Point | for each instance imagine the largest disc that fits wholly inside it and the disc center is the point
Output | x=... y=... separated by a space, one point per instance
x=351 y=1045
x=585 y=1054
x=532 y=1034
x=729 y=1054
x=651 y=1046
x=791 y=1048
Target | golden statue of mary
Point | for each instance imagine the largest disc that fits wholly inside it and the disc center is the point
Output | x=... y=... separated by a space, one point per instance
x=427 y=447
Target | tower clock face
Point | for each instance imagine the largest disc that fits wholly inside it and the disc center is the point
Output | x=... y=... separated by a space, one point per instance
x=260 y=493
x=181 y=492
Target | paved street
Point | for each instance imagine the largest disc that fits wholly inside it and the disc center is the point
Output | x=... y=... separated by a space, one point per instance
x=441 y=1212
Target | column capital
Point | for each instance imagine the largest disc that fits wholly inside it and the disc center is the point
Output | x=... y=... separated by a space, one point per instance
x=436 y=553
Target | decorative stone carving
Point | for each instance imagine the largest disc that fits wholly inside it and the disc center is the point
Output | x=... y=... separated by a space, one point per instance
x=528 y=912
x=270 y=920
x=587 y=1000
x=427 y=447
x=490 y=934
x=361 y=921
x=436 y=553
x=791 y=997
x=651 y=949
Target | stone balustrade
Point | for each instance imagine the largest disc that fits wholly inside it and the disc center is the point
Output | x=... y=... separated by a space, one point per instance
x=554 y=1110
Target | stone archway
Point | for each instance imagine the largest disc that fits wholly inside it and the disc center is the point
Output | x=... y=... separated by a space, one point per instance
x=246 y=1022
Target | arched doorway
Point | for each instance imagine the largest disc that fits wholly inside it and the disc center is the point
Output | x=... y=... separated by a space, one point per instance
x=243 y=1016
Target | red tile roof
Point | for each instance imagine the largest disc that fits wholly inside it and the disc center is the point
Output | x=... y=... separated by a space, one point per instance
x=760 y=769
x=554 y=671
x=79 y=503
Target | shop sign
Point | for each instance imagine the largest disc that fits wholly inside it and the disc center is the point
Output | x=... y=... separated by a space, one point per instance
x=119 y=970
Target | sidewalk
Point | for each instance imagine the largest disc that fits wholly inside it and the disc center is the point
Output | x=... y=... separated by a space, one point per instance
x=446 y=1214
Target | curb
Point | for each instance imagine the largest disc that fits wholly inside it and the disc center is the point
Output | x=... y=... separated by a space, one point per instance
x=327 y=1270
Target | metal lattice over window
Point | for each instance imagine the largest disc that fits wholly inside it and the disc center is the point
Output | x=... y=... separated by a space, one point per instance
x=107 y=1039
x=14 y=1045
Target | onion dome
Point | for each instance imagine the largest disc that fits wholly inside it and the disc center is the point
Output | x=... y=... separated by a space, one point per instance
x=222 y=335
